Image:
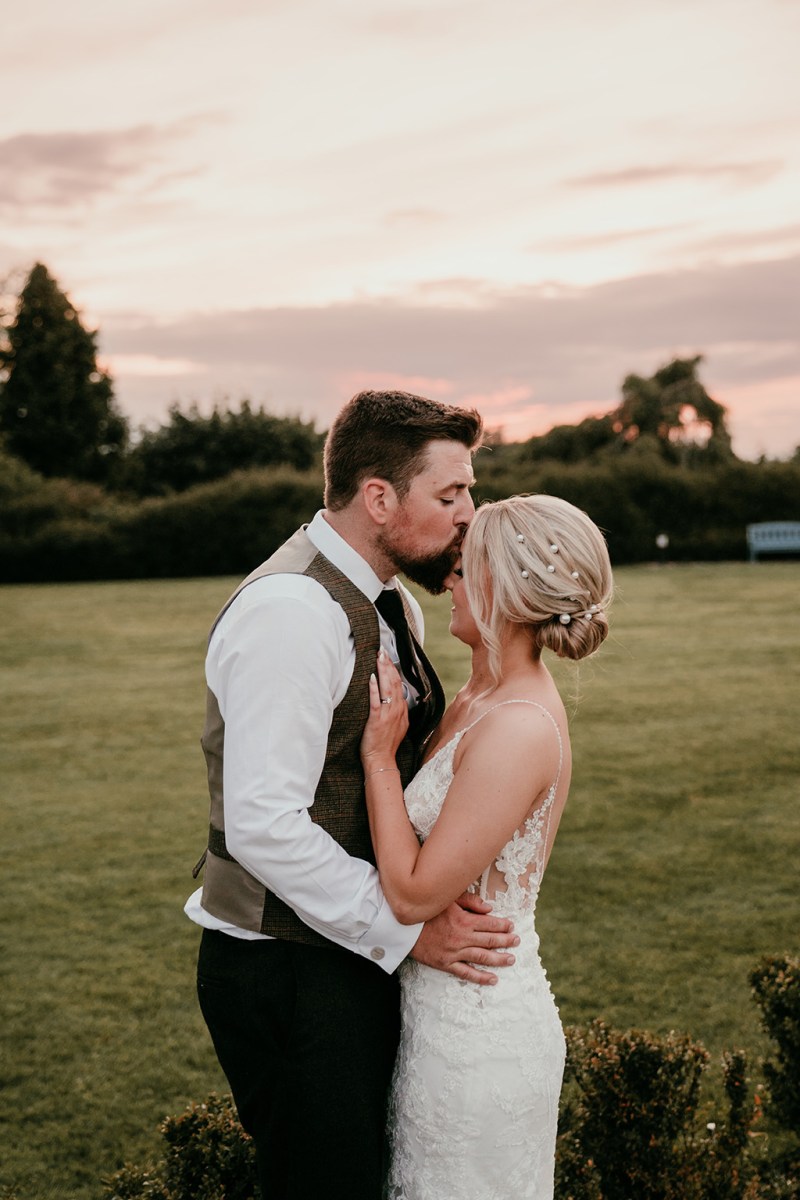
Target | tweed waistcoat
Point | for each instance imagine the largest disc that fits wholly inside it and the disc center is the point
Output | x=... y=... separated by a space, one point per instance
x=230 y=892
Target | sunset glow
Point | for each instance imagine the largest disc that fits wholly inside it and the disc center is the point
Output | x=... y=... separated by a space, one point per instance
x=510 y=205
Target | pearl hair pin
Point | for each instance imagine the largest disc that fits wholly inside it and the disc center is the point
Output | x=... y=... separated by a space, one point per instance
x=520 y=537
x=554 y=547
x=574 y=574
x=565 y=617
x=550 y=568
x=525 y=575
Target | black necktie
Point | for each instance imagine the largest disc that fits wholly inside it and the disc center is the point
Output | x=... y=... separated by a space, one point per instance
x=390 y=606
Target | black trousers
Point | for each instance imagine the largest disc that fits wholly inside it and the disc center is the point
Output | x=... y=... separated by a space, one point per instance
x=307 y=1038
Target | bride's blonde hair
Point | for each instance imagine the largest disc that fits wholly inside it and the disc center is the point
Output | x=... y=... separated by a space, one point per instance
x=541 y=562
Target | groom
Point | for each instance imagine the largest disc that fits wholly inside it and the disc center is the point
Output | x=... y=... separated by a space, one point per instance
x=299 y=947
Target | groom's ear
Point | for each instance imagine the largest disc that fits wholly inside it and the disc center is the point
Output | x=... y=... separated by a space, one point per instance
x=380 y=499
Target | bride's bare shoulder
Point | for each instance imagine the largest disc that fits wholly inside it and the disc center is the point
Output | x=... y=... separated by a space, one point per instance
x=519 y=714
x=514 y=725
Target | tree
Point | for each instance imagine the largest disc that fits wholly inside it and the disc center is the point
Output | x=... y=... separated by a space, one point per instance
x=192 y=449
x=675 y=409
x=574 y=443
x=57 y=407
x=670 y=415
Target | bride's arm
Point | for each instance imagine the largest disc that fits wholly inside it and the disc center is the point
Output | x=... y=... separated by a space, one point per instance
x=507 y=763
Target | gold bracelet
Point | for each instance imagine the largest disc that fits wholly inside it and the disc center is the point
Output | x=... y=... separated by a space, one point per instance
x=380 y=771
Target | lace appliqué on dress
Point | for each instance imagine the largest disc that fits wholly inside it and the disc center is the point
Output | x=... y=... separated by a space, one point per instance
x=474 y=1104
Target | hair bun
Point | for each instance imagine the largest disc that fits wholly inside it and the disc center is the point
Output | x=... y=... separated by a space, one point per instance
x=577 y=638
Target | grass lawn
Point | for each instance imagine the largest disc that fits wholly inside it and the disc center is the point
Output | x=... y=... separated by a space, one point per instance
x=675 y=867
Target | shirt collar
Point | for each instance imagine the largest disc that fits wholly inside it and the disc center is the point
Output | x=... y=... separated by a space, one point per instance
x=345 y=558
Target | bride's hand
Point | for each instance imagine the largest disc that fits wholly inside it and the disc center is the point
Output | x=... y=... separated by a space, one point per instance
x=388 y=716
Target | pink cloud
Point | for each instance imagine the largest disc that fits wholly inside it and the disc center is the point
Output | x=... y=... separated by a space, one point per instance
x=149 y=366
x=350 y=382
x=764 y=417
x=755 y=171
x=526 y=359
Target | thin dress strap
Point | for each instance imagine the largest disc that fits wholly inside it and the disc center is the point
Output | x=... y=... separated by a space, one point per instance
x=547 y=713
x=551 y=795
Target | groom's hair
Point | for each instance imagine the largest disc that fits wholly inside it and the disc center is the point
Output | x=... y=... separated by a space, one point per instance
x=386 y=434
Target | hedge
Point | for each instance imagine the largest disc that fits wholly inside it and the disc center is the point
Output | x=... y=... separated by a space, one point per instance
x=60 y=530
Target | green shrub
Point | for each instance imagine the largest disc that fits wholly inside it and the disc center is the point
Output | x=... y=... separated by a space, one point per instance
x=191 y=449
x=776 y=987
x=633 y=498
x=209 y=1157
x=222 y=528
x=28 y=501
x=57 y=529
x=780 y=1180
x=631 y=1128
x=66 y=531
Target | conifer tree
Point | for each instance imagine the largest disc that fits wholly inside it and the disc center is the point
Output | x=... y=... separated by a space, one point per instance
x=57 y=407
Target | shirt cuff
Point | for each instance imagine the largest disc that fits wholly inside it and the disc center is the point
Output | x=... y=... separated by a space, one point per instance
x=388 y=942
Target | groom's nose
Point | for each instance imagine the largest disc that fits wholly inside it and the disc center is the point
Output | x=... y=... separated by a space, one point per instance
x=463 y=509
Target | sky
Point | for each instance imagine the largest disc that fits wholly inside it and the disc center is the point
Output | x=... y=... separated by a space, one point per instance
x=511 y=205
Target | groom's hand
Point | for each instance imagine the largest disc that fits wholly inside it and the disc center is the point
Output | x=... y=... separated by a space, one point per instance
x=464 y=937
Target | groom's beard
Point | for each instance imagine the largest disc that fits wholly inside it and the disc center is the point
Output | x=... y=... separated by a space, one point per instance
x=429 y=572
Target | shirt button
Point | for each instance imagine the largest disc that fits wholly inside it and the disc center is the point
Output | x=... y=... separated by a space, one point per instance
x=377 y=952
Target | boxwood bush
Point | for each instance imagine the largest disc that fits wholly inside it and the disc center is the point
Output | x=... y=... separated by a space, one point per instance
x=776 y=988
x=633 y=1127
x=208 y=1157
x=631 y=1123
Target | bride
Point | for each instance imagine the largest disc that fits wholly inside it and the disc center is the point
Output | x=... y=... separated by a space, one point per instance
x=474 y=1104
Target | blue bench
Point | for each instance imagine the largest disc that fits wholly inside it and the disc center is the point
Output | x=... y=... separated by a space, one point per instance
x=773 y=537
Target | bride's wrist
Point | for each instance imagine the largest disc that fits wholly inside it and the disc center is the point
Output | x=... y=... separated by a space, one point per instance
x=380 y=771
x=379 y=760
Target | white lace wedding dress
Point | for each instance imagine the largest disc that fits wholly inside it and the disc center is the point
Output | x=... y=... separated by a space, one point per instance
x=474 y=1103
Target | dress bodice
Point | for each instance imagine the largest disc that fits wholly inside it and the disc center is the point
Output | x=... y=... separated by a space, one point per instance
x=512 y=881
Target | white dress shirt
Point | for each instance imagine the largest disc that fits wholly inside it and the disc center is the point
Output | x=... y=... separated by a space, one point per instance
x=279 y=662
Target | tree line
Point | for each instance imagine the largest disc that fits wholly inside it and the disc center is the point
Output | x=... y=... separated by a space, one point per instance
x=84 y=496
x=58 y=413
